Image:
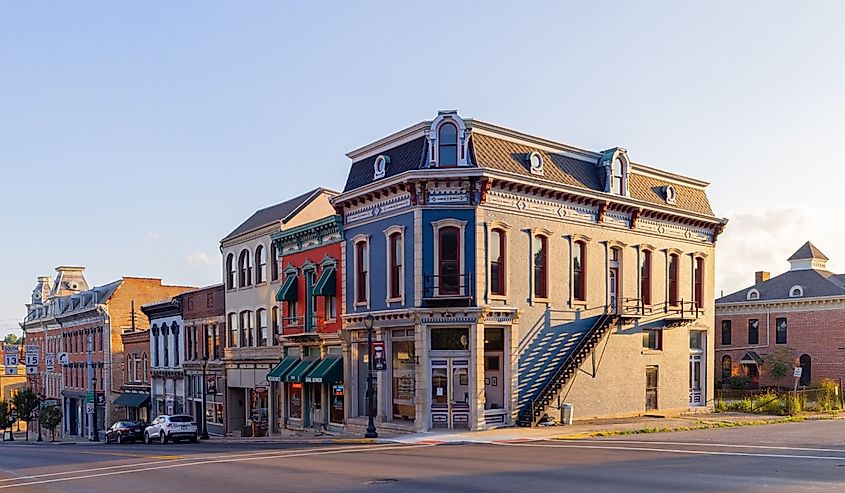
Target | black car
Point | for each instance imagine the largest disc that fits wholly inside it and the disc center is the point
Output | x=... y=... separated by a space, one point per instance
x=125 y=431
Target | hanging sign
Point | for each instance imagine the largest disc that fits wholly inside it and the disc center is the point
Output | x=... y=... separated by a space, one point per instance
x=379 y=361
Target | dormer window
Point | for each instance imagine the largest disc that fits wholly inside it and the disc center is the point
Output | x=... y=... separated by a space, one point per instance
x=753 y=295
x=616 y=169
x=616 y=177
x=380 y=167
x=447 y=141
x=796 y=291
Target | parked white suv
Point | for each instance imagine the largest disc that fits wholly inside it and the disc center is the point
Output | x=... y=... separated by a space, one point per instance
x=166 y=428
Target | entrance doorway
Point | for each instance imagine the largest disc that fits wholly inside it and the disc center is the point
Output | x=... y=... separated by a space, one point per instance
x=613 y=281
x=651 y=388
x=316 y=406
x=695 y=369
x=450 y=392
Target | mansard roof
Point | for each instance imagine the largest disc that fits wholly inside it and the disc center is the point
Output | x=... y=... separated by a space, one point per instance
x=813 y=283
x=279 y=212
x=505 y=152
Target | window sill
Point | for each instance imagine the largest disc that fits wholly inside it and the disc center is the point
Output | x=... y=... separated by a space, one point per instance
x=579 y=304
x=499 y=297
x=361 y=304
x=400 y=299
x=259 y=284
x=647 y=352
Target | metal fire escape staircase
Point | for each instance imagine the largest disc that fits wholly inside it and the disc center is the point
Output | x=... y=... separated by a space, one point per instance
x=552 y=354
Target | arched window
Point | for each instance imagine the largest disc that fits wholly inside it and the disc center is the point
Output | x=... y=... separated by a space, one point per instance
x=274 y=320
x=752 y=295
x=394 y=244
x=362 y=264
x=274 y=266
x=579 y=271
x=806 y=375
x=233 y=330
x=540 y=256
x=230 y=271
x=673 y=279
x=645 y=277
x=246 y=330
x=616 y=176
x=796 y=291
x=498 y=266
x=698 y=283
x=727 y=368
x=260 y=264
x=449 y=260
x=261 y=322
x=447 y=145
x=244 y=269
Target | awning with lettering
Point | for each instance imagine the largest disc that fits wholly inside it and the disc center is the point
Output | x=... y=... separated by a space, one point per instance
x=329 y=370
x=288 y=291
x=284 y=366
x=297 y=374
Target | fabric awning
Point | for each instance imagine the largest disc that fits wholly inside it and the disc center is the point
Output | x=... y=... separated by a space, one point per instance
x=284 y=366
x=299 y=371
x=132 y=400
x=751 y=358
x=326 y=283
x=288 y=290
x=329 y=370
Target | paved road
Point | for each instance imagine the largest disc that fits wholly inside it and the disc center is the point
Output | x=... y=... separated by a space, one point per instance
x=787 y=457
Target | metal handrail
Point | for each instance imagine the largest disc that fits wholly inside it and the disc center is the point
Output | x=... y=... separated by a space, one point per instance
x=568 y=361
x=463 y=288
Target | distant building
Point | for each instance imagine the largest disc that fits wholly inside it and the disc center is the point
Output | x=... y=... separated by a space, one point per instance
x=252 y=278
x=167 y=347
x=800 y=313
x=204 y=316
x=507 y=273
x=135 y=391
x=64 y=318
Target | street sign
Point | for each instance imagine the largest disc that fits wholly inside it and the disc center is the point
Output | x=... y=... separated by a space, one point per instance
x=11 y=370
x=63 y=359
x=379 y=362
x=11 y=349
x=89 y=397
x=796 y=372
x=32 y=370
x=101 y=399
x=50 y=361
x=10 y=360
x=89 y=408
x=31 y=359
x=33 y=348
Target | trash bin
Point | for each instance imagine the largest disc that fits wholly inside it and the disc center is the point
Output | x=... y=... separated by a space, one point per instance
x=566 y=414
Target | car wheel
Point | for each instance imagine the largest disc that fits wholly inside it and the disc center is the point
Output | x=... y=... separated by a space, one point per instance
x=162 y=437
x=147 y=439
x=108 y=440
x=119 y=439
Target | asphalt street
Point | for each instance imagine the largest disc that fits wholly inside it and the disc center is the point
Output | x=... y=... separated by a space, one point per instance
x=785 y=457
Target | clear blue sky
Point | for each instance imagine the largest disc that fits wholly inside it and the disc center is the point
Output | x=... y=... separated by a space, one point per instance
x=134 y=135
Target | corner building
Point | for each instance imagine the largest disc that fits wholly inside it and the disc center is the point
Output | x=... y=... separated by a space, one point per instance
x=508 y=273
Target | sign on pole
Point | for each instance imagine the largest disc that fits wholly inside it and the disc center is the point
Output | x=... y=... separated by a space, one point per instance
x=89 y=408
x=32 y=370
x=379 y=362
x=50 y=361
x=63 y=358
x=796 y=372
x=10 y=359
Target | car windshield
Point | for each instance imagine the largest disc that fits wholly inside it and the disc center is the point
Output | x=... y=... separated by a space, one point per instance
x=181 y=419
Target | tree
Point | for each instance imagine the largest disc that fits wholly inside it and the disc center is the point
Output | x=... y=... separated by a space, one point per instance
x=6 y=420
x=779 y=362
x=25 y=402
x=51 y=418
x=12 y=339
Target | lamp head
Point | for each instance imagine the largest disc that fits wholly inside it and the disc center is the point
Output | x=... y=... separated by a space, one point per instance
x=368 y=321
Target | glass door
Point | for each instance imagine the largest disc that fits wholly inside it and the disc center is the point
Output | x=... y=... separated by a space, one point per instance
x=450 y=393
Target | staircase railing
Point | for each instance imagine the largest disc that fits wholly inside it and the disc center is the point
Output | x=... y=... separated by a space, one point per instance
x=533 y=410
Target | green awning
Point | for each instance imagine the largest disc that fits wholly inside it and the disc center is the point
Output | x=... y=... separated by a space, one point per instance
x=326 y=284
x=299 y=371
x=132 y=400
x=330 y=370
x=284 y=366
x=288 y=290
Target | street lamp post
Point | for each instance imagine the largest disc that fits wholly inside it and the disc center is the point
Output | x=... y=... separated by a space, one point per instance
x=371 y=426
x=204 y=435
x=95 y=434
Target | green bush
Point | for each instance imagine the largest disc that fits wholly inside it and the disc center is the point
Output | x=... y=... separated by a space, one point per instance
x=769 y=403
x=826 y=396
x=739 y=381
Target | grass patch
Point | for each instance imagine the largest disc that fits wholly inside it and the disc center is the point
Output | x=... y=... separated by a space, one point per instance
x=701 y=425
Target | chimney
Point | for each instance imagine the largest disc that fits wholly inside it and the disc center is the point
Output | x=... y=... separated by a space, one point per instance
x=761 y=276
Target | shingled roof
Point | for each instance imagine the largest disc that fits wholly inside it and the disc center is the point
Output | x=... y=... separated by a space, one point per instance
x=279 y=212
x=808 y=251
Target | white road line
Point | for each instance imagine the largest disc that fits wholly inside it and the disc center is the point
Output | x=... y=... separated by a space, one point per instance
x=679 y=451
x=699 y=444
x=215 y=461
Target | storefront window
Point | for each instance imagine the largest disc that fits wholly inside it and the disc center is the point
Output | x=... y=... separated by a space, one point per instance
x=449 y=339
x=336 y=409
x=295 y=400
x=494 y=382
x=404 y=387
